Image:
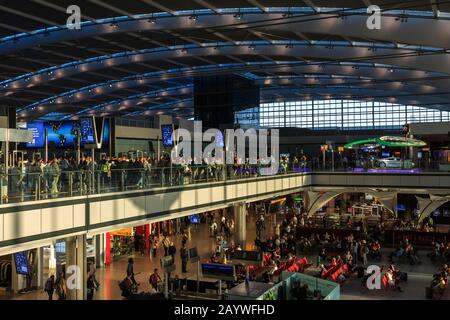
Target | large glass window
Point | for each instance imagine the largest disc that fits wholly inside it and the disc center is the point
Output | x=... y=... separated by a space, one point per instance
x=342 y=114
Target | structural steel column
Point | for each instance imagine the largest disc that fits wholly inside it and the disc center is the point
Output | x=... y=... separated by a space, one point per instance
x=240 y=218
x=76 y=261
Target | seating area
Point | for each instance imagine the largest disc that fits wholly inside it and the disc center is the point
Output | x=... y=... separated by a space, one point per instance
x=293 y=265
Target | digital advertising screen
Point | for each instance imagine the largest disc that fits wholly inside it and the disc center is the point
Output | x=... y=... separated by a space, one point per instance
x=166 y=133
x=21 y=261
x=38 y=134
x=87 y=131
x=106 y=132
x=63 y=134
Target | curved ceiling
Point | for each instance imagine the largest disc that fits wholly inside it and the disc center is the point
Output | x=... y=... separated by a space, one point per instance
x=138 y=57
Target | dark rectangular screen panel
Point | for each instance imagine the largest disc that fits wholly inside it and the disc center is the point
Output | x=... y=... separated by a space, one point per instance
x=218 y=271
x=166 y=134
x=248 y=255
x=87 y=131
x=217 y=98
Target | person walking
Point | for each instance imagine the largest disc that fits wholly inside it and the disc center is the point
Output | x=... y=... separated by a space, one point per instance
x=166 y=245
x=91 y=286
x=172 y=250
x=50 y=287
x=155 y=247
x=184 y=238
x=130 y=271
x=154 y=279
x=61 y=288
x=184 y=258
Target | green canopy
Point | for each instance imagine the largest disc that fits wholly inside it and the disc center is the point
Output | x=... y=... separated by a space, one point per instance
x=389 y=141
x=367 y=143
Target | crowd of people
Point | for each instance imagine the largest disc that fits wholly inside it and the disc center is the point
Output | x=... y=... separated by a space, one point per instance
x=64 y=174
x=342 y=253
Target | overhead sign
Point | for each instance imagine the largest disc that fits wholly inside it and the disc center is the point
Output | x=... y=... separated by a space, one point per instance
x=127 y=232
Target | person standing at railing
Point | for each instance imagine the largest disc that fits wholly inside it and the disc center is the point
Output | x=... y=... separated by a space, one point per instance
x=47 y=176
x=105 y=172
x=295 y=163
x=65 y=167
x=55 y=172
x=147 y=164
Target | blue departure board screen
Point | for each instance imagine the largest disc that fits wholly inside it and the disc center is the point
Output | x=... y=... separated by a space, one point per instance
x=20 y=258
x=87 y=131
x=38 y=134
x=166 y=133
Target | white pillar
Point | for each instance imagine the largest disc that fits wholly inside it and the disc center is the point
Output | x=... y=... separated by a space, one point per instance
x=240 y=218
x=40 y=279
x=99 y=250
x=76 y=260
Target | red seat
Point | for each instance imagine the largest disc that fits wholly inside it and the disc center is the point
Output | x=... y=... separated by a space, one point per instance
x=330 y=271
x=385 y=282
x=336 y=274
x=346 y=268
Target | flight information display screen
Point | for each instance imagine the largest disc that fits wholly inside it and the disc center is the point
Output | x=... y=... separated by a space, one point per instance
x=166 y=133
x=87 y=131
x=21 y=261
x=37 y=128
x=218 y=271
x=248 y=255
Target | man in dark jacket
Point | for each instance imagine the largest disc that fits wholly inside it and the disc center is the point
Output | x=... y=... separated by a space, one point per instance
x=172 y=250
x=50 y=287
x=184 y=258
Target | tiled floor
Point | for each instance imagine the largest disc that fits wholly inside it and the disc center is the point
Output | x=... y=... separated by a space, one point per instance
x=419 y=276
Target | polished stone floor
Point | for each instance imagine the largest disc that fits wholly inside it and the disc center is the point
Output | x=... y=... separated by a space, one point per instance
x=419 y=276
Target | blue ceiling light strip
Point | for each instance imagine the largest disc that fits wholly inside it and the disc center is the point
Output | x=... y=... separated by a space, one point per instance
x=74 y=67
x=279 y=10
x=143 y=77
x=150 y=77
x=161 y=107
x=149 y=94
